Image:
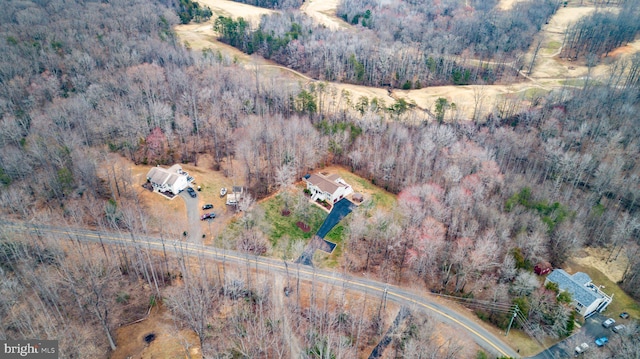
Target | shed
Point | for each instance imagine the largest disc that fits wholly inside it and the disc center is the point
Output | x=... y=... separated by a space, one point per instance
x=543 y=268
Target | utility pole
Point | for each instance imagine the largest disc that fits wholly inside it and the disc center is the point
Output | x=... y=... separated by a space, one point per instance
x=515 y=312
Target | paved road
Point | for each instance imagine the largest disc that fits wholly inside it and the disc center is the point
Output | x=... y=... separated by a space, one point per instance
x=483 y=338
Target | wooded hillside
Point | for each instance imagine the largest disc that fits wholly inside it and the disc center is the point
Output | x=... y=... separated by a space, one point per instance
x=479 y=203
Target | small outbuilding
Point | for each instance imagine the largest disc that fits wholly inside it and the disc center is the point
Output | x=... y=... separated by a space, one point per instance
x=357 y=197
x=543 y=268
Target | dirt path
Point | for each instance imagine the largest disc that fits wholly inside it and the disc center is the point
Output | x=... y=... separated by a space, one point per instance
x=324 y=12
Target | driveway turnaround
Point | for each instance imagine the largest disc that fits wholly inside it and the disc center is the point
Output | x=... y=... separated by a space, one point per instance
x=340 y=210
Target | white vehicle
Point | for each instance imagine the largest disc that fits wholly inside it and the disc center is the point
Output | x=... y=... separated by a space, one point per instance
x=582 y=348
x=608 y=323
x=618 y=328
x=223 y=191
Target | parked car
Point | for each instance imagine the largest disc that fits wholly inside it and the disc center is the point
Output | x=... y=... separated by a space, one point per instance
x=608 y=323
x=223 y=192
x=582 y=348
x=191 y=192
x=602 y=341
x=618 y=328
x=207 y=206
x=624 y=315
x=208 y=216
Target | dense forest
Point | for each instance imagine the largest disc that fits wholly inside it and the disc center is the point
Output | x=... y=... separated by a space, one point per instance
x=435 y=45
x=602 y=32
x=480 y=202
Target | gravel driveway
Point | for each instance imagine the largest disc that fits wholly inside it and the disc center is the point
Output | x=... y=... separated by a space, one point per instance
x=193 y=218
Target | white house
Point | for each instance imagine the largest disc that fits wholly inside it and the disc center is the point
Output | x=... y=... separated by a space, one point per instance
x=331 y=188
x=587 y=297
x=173 y=179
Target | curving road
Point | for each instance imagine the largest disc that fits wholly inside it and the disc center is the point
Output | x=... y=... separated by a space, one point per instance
x=482 y=337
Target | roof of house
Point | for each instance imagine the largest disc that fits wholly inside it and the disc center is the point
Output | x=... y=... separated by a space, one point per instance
x=175 y=168
x=157 y=175
x=333 y=177
x=161 y=175
x=575 y=284
x=323 y=183
x=582 y=278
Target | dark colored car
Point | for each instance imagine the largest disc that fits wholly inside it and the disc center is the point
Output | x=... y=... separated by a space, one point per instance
x=207 y=206
x=208 y=216
x=624 y=315
x=191 y=192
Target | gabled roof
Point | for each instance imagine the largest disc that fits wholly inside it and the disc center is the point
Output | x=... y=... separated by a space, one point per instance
x=157 y=175
x=575 y=285
x=323 y=183
x=161 y=176
x=581 y=278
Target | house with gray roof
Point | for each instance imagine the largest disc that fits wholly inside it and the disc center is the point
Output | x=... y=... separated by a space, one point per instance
x=330 y=188
x=587 y=297
x=172 y=179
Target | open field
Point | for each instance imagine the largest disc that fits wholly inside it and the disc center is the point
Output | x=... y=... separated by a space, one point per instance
x=324 y=12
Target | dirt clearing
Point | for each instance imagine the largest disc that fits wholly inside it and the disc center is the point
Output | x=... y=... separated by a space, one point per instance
x=324 y=12
x=235 y=9
x=156 y=337
x=597 y=258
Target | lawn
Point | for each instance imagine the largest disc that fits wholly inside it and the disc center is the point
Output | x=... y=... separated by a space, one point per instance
x=277 y=226
x=335 y=235
x=622 y=302
x=379 y=197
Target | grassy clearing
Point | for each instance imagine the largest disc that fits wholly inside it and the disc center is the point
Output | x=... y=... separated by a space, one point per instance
x=379 y=196
x=279 y=227
x=527 y=346
x=335 y=235
x=622 y=302
x=552 y=47
x=578 y=82
x=533 y=93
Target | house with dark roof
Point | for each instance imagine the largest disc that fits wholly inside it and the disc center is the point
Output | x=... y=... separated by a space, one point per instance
x=587 y=297
x=330 y=188
x=172 y=179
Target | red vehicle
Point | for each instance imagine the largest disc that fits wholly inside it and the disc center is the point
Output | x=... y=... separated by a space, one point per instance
x=208 y=216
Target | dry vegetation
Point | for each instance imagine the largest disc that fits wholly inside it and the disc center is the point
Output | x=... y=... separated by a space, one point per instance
x=550 y=71
x=85 y=112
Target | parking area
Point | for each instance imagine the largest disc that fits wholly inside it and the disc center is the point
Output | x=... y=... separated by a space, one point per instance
x=588 y=333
